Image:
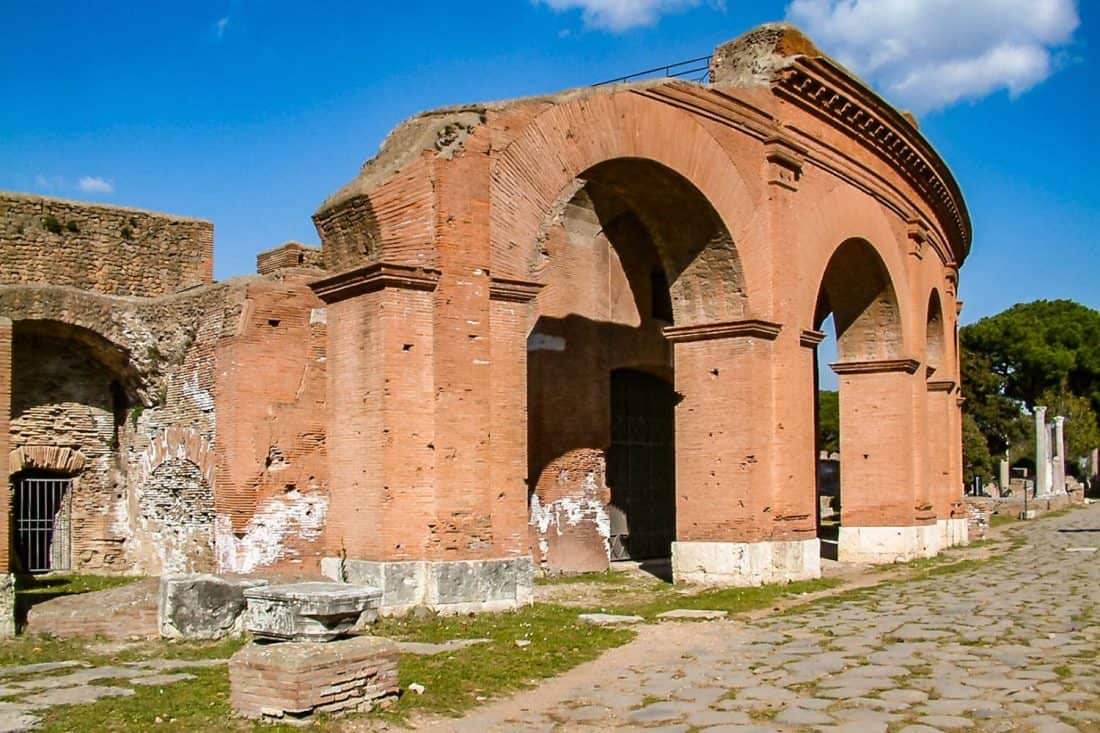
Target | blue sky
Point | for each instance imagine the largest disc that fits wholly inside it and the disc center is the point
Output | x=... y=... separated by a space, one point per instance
x=251 y=113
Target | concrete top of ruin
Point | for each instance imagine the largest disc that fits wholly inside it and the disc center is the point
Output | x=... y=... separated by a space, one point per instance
x=15 y=195
x=775 y=56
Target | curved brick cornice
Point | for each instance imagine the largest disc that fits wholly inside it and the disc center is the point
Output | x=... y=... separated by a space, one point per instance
x=821 y=87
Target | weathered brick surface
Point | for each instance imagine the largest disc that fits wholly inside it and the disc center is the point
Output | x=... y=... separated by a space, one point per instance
x=290 y=255
x=108 y=249
x=300 y=678
x=442 y=390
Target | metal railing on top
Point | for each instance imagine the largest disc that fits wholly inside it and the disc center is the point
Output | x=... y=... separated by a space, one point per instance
x=698 y=69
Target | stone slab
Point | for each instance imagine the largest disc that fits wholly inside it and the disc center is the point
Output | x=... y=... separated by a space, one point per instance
x=202 y=606
x=745 y=563
x=455 y=586
x=693 y=614
x=311 y=611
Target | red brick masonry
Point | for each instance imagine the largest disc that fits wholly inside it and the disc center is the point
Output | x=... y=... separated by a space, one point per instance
x=300 y=678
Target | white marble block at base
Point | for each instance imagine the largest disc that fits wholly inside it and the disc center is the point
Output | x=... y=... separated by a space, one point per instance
x=954 y=532
x=745 y=563
x=883 y=545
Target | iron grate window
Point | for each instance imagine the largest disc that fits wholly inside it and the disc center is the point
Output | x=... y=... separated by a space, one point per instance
x=43 y=523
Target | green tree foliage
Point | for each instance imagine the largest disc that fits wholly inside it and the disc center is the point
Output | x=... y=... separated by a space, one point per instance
x=977 y=460
x=1046 y=352
x=996 y=416
x=828 y=420
x=1041 y=346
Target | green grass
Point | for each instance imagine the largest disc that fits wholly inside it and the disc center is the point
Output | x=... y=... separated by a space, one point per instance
x=733 y=600
x=1000 y=520
x=31 y=590
x=454 y=681
x=610 y=577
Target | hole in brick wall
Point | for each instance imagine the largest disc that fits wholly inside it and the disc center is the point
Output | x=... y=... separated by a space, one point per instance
x=273 y=322
x=301 y=257
x=290 y=487
x=407 y=347
x=714 y=372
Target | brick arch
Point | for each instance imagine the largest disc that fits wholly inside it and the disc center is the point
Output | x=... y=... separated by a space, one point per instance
x=547 y=163
x=177 y=443
x=842 y=216
x=936 y=343
x=62 y=459
x=112 y=329
x=856 y=288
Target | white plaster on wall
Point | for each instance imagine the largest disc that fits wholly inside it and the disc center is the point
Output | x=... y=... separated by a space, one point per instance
x=201 y=397
x=297 y=515
x=572 y=510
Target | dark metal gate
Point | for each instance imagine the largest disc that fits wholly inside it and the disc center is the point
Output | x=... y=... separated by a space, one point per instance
x=43 y=523
x=641 y=466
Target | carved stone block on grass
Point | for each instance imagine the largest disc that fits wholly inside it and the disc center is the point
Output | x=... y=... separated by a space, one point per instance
x=202 y=606
x=310 y=611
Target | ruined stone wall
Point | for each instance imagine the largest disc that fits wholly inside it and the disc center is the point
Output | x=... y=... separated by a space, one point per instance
x=106 y=249
x=135 y=398
x=63 y=398
x=5 y=417
x=270 y=391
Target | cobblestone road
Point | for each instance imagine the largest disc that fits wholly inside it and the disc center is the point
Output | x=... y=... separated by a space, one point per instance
x=1011 y=645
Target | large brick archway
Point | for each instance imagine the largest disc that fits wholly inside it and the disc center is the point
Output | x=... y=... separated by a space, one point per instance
x=497 y=263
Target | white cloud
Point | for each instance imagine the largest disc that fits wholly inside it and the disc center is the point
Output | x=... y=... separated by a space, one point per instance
x=621 y=15
x=221 y=25
x=94 y=184
x=929 y=54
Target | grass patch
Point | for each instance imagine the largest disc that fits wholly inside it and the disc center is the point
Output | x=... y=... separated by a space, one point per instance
x=1000 y=520
x=733 y=600
x=30 y=590
x=606 y=577
x=67 y=585
x=454 y=681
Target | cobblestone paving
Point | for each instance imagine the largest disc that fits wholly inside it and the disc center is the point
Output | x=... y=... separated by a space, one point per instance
x=1011 y=645
x=29 y=689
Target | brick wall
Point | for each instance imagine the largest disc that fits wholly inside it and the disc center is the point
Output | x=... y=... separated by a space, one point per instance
x=107 y=249
x=287 y=256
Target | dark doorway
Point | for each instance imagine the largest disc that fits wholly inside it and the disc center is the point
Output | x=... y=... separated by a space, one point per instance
x=641 y=466
x=43 y=521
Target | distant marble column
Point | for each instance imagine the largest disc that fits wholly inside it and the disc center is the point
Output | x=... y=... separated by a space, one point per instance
x=1059 y=454
x=1094 y=464
x=1042 y=468
x=1002 y=477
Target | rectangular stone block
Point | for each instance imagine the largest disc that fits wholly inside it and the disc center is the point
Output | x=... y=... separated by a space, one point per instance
x=310 y=611
x=300 y=678
x=458 y=586
x=745 y=563
x=202 y=606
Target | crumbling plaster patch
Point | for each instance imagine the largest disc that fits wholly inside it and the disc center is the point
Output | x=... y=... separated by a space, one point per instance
x=571 y=511
x=263 y=541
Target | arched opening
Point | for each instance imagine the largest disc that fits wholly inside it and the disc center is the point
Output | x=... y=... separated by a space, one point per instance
x=630 y=248
x=858 y=315
x=71 y=392
x=934 y=335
